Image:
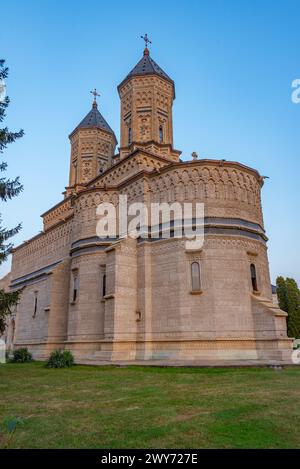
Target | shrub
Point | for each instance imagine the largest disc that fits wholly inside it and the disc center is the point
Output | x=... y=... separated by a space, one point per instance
x=60 y=359
x=21 y=355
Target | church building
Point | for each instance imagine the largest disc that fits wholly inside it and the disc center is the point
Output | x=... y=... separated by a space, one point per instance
x=120 y=298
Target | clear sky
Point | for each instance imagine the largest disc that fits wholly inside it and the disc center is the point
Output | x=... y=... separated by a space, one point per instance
x=233 y=62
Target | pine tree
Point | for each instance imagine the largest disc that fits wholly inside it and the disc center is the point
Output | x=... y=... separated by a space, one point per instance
x=289 y=300
x=9 y=188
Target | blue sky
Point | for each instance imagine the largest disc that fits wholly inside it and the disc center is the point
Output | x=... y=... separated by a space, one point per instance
x=233 y=62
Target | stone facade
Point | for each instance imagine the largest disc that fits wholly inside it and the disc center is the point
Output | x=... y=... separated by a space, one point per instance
x=138 y=299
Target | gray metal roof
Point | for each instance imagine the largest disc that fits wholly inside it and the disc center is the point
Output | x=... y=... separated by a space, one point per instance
x=147 y=66
x=94 y=119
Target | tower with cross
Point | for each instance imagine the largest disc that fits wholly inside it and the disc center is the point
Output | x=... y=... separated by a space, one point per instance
x=93 y=144
x=147 y=95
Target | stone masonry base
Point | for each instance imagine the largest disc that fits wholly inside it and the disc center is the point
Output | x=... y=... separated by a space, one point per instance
x=216 y=350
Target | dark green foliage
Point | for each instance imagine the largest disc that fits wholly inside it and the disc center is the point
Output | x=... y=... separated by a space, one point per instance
x=60 y=359
x=21 y=355
x=6 y=136
x=289 y=301
x=281 y=293
x=8 y=188
x=293 y=302
x=7 y=302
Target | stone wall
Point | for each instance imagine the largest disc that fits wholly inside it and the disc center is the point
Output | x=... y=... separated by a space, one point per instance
x=148 y=309
x=43 y=250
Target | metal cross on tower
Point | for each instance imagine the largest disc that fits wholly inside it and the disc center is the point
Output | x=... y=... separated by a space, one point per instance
x=146 y=39
x=95 y=94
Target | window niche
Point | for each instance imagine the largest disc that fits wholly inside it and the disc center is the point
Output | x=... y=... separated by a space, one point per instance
x=161 y=134
x=254 y=281
x=138 y=316
x=75 y=286
x=195 y=277
x=254 y=274
x=35 y=304
x=103 y=282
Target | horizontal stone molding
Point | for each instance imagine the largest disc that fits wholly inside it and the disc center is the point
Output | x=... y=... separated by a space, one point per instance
x=190 y=342
x=58 y=213
x=33 y=276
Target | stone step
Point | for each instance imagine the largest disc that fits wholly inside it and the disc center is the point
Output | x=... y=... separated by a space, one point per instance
x=188 y=363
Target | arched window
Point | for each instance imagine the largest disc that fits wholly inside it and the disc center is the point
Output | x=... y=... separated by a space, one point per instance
x=129 y=135
x=161 y=134
x=103 y=284
x=195 y=273
x=253 y=277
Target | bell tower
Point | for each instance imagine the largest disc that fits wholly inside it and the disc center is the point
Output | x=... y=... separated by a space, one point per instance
x=93 y=145
x=147 y=94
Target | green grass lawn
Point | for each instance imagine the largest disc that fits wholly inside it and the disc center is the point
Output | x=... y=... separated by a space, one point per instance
x=141 y=407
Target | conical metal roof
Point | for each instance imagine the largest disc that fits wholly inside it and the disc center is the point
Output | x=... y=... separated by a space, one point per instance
x=94 y=119
x=147 y=66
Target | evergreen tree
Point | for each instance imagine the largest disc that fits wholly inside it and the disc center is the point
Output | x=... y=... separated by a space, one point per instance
x=289 y=300
x=293 y=303
x=9 y=188
x=281 y=293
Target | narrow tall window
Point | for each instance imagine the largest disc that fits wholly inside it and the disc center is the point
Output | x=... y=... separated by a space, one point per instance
x=75 y=287
x=253 y=277
x=75 y=169
x=195 y=272
x=103 y=284
x=129 y=136
x=161 y=134
x=103 y=288
x=13 y=325
x=35 y=304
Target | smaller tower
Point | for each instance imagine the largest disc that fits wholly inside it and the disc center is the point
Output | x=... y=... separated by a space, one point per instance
x=93 y=145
